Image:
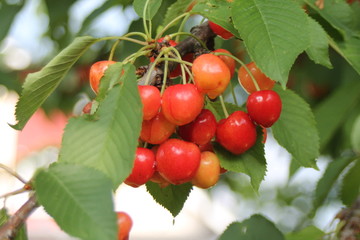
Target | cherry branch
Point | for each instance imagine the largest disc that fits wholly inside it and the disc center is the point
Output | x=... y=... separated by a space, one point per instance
x=11 y=227
x=191 y=44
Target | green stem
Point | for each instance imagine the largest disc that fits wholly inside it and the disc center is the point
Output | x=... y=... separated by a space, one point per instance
x=171 y=23
x=166 y=68
x=136 y=34
x=182 y=26
x=175 y=60
x=13 y=173
x=152 y=67
x=233 y=93
x=123 y=38
x=244 y=65
x=223 y=106
x=146 y=30
x=112 y=52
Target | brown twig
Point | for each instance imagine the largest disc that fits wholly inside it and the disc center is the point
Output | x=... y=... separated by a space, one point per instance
x=11 y=227
x=189 y=45
x=350 y=218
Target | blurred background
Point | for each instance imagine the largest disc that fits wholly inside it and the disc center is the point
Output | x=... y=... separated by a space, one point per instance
x=34 y=31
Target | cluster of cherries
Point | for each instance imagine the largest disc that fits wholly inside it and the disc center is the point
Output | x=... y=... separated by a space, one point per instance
x=178 y=130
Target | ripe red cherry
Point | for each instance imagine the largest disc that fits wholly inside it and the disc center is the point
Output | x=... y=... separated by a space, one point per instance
x=157 y=129
x=151 y=100
x=201 y=130
x=182 y=103
x=124 y=223
x=264 y=107
x=211 y=75
x=220 y=31
x=87 y=108
x=97 y=72
x=237 y=133
x=144 y=167
x=230 y=62
x=177 y=160
x=208 y=172
x=247 y=83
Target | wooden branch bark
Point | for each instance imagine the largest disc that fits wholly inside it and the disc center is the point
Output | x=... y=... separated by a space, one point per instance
x=11 y=227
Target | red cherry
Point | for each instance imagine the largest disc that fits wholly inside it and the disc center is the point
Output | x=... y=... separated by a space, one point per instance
x=97 y=72
x=208 y=172
x=220 y=31
x=206 y=147
x=144 y=167
x=230 y=62
x=247 y=83
x=151 y=100
x=177 y=160
x=87 y=108
x=201 y=130
x=237 y=133
x=157 y=129
x=182 y=103
x=211 y=75
x=124 y=223
x=264 y=107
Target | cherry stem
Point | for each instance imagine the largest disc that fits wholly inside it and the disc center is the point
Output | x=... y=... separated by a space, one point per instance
x=182 y=27
x=233 y=93
x=148 y=34
x=13 y=173
x=166 y=68
x=223 y=106
x=157 y=59
x=6 y=195
x=171 y=23
x=182 y=65
x=175 y=60
x=190 y=35
x=111 y=56
x=244 y=65
x=123 y=38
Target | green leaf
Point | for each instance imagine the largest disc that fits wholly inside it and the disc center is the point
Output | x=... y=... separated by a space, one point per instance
x=217 y=11
x=108 y=140
x=152 y=8
x=349 y=49
x=172 y=197
x=310 y=232
x=327 y=181
x=38 y=86
x=256 y=227
x=275 y=32
x=252 y=162
x=296 y=129
x=319 y=44
x=355 y=135
x=4 y=217
x=331 y=113
x=79 y=199
x=8 y=13
x=351 y=185
x=176 y=9
x=339 y=14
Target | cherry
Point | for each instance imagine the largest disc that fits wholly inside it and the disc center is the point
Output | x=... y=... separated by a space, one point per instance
x=201 y=130
x=211 y=75
x=144 y=167
x=247 y=83
x=178 y=160
x=157 y=178
x=182 y=103
x=208 y=172
x=229 y=61
x=264 y=107
x=157 y=129
x=97 y=72
x=220 y=31
x=124 y=223
x=236 y=133
x=151 y=100
x=206 y=147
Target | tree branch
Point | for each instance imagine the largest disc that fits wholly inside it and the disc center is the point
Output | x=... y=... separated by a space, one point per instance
x=11 y=227
x=189 y=45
